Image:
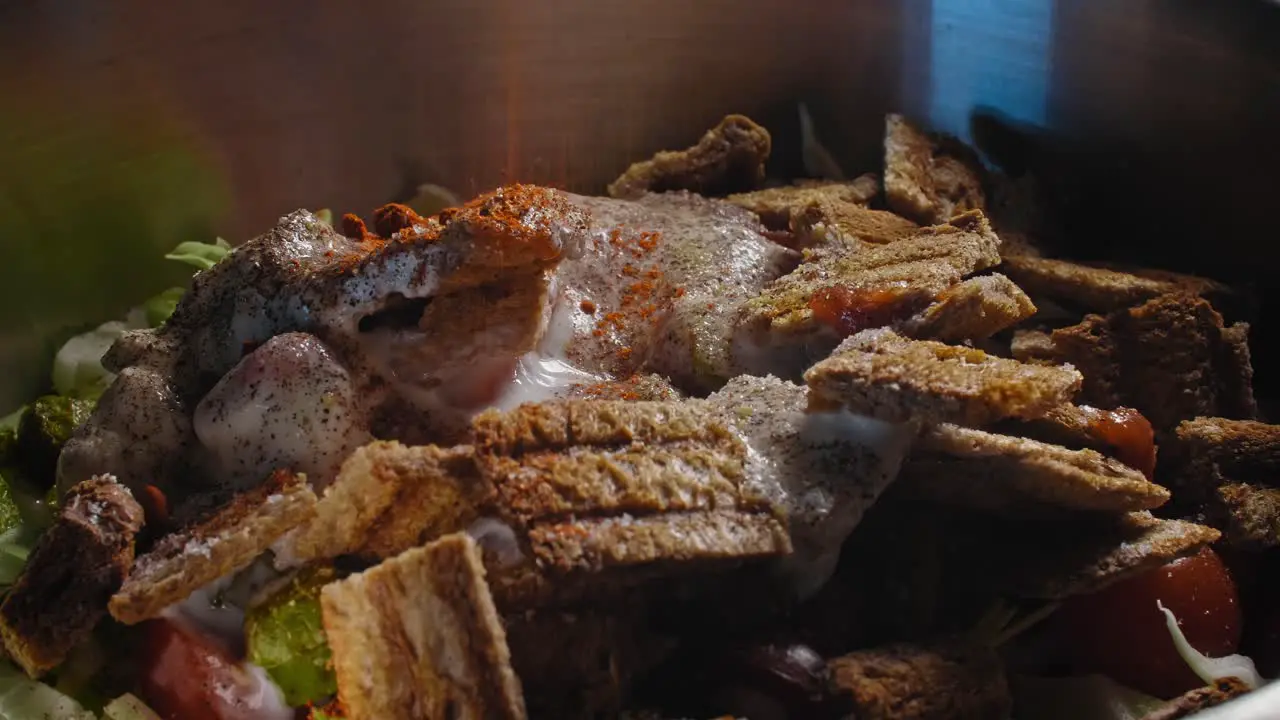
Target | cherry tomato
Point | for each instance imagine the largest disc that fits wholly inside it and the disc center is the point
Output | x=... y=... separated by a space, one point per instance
x=1119 y=631
x=187 y=676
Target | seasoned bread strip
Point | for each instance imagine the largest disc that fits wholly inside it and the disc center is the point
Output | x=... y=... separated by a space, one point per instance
x=886 y=376
x=79 y=562
x=985 y=470
x=929 y=179
x=388 y=498
x=729 y=158
x=777 y=206
x=418 y=638
x=226 y=542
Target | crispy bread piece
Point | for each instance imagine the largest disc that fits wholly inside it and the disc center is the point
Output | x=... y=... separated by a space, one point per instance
x=950 y=679
x=831 y=222
x=78 y=563
x=388 y=498
x=1249 y=515
x=1170 y=358
x=637 y=487
x=226 y=542
x=884 y=375
x=897 y=279
x=928 y=179
x=1097 y=289
x=1240 y=449
x=980 y=469
x=1073 y=555
x=1193 y=701
x=418 y=638
x=729 y=158
x=975 y=309
x=776 y=206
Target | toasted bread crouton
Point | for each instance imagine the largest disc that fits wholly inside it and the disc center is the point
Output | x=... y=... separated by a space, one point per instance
x=1000 y=472
x=78 y=563
x=929 y=179
x=1098 y=289
x=388 y=498
x=226 y=542
x=829 y=222
x=1170 y=358
x=729 y=158
x=838 y=291
x=591 y=487
x=884 y=375
x=974 y=310
x=777 y=206
x=418 y=638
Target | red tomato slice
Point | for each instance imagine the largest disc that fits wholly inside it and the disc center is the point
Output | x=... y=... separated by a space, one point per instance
x=1119 y=632
x=187 y=676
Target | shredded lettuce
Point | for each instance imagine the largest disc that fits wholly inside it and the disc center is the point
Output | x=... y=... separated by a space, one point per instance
x=818 y=162
x=10 y=421
x=15 y=547
x=325 y=215
x=128 y=707
x=285 y=636
x=1070 y=698
x=431 y=199
x=1206 y=668
x=200 y=255
x=22 y=698
x=159 y=308
x=77 y=368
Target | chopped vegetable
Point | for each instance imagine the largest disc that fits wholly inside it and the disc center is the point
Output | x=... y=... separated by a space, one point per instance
x=431 y=199
x=1091 y=696
x=1207 y=668
x=128 y=707
x=159 y=308
x=77 y=368
x=285 y=636
x=325 y=215
x=22 y=698
x=200 y=255
x=10 y=421
x=1115 y=633
x=44 y=429
x=13 y=555
x=185 y=674
x=818 y=162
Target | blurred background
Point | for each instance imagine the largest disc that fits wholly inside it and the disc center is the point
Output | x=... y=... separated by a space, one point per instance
x=129 y=126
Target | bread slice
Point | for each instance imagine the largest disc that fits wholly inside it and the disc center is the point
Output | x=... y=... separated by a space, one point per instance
x=886 y=376
x=974 y=310
x=418 y=638
x=777 y=206
x=78 y=563
x=729 y=158
x=226 y=542
x=388 y=498
x=1170 y=358
x=1098 y=289
x=929 y=179
x=1003 y=473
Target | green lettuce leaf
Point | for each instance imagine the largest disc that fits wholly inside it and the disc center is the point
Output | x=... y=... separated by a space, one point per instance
x=128 y=707
x=159 y=308
x=200 y=255
x=285 y=637
x=22 y=698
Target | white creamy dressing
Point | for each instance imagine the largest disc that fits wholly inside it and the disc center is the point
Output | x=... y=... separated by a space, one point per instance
x=546 y=373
